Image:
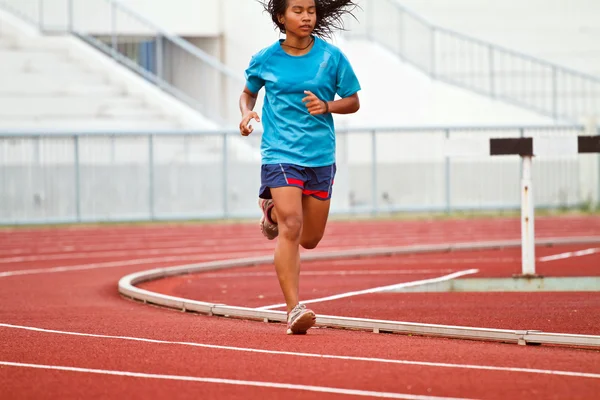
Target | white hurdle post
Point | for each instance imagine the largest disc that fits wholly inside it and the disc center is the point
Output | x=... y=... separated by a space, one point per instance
x=527 y=219
x=525 y=148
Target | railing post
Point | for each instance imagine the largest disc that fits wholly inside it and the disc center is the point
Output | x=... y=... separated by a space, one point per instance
x=70 y=16
x=113 y=149
x=159 y=60
x=186 y=148
x=554 y=92
x=402 y=38
x=225 y=177
x=113 y=28
x=374 y=195
x=41 y=15
x=151 y=177
x=36 y=151
x=433 y=49
x=448 y=184
x=492 y=73
x=370 y=19
x=77 y=178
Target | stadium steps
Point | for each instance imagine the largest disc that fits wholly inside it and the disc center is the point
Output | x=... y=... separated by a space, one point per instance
x=53 y=82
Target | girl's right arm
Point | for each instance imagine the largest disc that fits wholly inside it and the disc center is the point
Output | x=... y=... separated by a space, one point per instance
x=247 y=103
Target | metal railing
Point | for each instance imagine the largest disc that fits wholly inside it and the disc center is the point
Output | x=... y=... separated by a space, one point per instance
x=51 y=177
x=177 y=66
x=445 y=55
x=31 y=11
x=484 y=68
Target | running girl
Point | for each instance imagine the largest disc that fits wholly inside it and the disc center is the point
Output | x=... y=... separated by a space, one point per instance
x=301 y=75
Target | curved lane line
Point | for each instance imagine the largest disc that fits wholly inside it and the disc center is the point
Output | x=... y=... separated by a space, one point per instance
x=380 y=289
x=570 y=254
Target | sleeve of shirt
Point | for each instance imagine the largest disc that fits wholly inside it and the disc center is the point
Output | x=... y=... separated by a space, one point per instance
x=254 y=82
x=347 y=82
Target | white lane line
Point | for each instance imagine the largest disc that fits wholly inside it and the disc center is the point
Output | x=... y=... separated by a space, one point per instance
x=330 y=273
x=165 y=242
x=423 y=260
x=125 y=263
x=232 y=249
x=201 y=247
x=128 y=253
x=379 y=289
x=312 y=355
x=139 y=261
x=235 y=382
x=570 y=254
x=119 y=247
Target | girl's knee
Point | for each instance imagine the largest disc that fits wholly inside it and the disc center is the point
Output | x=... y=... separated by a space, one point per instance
x=311 y=242
x=290 y=226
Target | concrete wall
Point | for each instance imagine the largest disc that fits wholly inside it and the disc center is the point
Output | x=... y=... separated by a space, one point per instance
x=561 y=31
x=182 y=17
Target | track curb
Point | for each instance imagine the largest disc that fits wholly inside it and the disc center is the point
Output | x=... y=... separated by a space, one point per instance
x=127 y=287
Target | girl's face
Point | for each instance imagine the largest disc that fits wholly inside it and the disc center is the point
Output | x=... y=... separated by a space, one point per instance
x=300 y=18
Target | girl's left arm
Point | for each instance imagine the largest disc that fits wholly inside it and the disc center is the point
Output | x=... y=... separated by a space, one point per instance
x=316 y=106
x=347 y=105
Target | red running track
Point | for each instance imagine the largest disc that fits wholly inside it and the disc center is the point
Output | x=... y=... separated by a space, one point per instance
x=65 y=280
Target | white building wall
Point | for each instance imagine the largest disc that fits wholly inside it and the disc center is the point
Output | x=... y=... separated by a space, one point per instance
x=181 y=17
x=565 y=32
x=562 y=31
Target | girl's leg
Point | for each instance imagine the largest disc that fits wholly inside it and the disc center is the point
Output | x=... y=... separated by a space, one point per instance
x=315 y=212
x=300 y=223
x=296 y=214
x=288 y=215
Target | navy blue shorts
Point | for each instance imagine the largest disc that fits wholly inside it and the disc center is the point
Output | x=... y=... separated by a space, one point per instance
x=316 y=182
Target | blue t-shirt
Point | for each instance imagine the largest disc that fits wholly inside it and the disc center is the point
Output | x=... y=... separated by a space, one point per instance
x=290 y=134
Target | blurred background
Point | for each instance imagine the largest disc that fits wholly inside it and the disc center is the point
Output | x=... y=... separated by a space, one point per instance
x=128 y=110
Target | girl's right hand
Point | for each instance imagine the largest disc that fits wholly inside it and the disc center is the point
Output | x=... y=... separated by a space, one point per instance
x=245 y=127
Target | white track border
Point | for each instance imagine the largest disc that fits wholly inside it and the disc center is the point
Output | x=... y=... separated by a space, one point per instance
x=127 y=288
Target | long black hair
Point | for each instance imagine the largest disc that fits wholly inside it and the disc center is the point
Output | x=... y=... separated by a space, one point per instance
x=330 y=14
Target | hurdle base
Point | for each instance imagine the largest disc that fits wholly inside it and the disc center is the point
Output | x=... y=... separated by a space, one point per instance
x=527 y=276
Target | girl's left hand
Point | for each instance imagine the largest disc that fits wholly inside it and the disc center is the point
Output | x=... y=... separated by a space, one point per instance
x=314 y=105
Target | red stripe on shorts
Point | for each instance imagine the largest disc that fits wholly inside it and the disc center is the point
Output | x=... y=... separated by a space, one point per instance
x=292 y=181
x=318 y=193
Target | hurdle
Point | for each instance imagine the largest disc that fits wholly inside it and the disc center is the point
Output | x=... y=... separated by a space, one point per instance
x=527 y=148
